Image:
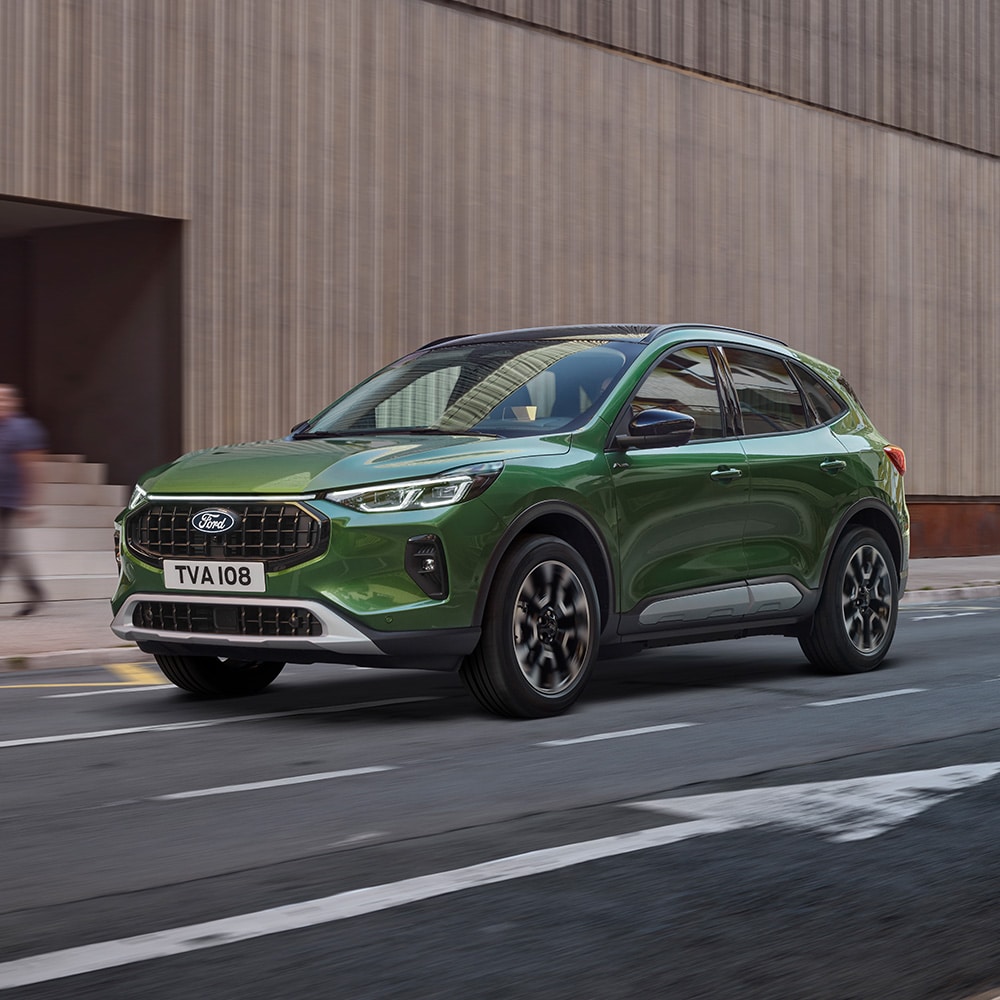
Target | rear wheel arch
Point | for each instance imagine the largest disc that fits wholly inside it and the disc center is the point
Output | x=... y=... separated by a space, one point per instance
x=868 y=514
x=881 y=521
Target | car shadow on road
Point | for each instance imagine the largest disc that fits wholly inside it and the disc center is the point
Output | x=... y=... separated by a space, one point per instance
x=392 y=695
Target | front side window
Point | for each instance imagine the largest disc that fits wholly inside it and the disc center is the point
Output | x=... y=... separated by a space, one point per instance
x=770 y=400
x=509 y=388
x=685 y=382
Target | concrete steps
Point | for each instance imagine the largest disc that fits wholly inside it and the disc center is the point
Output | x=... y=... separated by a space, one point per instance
x=71 y=547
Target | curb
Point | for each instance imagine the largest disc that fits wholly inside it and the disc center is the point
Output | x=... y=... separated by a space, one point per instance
x=68 y=658
x=969 y=591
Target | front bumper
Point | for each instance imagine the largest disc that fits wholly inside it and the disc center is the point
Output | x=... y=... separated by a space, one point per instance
x=336 y=641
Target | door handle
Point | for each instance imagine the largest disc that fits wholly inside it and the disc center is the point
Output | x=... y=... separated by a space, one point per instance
x=722 y=475
x=833 y=465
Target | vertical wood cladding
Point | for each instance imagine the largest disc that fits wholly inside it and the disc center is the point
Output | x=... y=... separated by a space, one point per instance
x=358 y=177
x=927 y=66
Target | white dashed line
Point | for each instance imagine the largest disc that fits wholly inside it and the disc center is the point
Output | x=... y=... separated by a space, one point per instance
x=126 y=689
x=864 y=697
x=618 y=735
x=298 y=779
x=169 y=727
x=952 y=614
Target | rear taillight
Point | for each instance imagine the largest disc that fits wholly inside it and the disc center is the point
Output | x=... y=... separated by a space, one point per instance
x=897 y=457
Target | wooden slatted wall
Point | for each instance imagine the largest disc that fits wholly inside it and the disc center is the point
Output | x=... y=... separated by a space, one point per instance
x=926 y=66
x=360 y=176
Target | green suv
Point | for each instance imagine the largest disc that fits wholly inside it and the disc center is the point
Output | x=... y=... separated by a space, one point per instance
x=513 y=505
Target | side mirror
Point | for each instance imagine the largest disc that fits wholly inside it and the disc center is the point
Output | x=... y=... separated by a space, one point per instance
x=658 y=429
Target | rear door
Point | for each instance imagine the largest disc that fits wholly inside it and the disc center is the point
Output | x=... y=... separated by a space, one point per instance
x=801 y=477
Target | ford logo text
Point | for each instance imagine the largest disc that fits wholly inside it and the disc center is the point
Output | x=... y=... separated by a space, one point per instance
x=214 y=521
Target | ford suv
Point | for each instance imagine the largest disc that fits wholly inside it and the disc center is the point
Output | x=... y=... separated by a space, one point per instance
x=513 y=505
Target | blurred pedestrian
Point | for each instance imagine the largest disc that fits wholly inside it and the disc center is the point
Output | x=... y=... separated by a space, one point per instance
x=22 y=444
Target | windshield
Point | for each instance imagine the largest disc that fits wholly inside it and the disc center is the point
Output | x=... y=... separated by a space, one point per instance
x=498 y=388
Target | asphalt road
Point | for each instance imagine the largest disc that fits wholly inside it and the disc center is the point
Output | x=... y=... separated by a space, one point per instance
x=710 y=821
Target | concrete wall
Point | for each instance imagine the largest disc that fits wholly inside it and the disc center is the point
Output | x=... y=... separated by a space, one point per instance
x=360 y=176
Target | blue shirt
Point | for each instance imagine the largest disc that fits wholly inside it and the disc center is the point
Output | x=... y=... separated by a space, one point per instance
x=17 y=434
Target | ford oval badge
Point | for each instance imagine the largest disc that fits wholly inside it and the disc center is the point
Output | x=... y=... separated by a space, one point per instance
x=214 y=521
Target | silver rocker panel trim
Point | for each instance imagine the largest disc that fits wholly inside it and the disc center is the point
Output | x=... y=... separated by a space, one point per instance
x=740 y=601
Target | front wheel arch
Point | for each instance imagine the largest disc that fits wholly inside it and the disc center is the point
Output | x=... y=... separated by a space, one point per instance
x=568 y=524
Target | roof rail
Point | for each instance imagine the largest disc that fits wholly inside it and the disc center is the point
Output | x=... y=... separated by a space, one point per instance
x=661 y=331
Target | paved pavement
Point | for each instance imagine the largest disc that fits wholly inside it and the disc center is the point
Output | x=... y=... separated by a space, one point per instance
x=77 y=633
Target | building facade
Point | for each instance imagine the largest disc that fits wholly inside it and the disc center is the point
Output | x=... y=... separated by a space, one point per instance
x=216 y=215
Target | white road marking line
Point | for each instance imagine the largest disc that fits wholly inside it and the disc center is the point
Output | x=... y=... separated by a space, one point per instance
x=127 y=689
x=849 y=810
x=864 y=697
x=951 y=614
x=844 y=810
x=298 y=779
x=168 y=727
x=618 y=735
x=342 y=906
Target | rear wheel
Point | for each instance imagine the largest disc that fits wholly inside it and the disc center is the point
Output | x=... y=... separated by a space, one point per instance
x=218 y=677
x=856 y=618
x=540 y=632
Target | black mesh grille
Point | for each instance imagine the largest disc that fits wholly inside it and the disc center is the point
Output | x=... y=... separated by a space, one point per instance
x=225 y=619
x=278 y=534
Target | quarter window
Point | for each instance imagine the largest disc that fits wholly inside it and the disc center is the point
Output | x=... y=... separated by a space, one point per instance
x=826 y=404
x=685 y=382
x=770 y=400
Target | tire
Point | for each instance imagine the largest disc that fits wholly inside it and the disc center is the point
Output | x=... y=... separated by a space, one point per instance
x=855 y=621
x=540 y=632
x=215 y=677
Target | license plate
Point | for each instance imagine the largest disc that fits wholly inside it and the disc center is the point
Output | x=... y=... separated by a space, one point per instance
x=240 y=577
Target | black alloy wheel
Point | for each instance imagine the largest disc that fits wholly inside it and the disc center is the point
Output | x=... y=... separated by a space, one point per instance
x=855 y=621
x=540 y=632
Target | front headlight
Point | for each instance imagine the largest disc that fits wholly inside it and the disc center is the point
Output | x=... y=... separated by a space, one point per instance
x=445 y=490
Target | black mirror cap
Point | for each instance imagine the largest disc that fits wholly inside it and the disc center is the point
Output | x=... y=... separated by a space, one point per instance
x=658 y=429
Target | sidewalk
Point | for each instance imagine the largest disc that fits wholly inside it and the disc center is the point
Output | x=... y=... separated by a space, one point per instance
x=77 y=633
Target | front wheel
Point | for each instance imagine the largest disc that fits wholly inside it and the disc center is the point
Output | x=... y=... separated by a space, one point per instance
x=217 y=677
x=540 y=632
x=856 y=618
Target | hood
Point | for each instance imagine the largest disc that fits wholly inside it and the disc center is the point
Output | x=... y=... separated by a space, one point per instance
x=292 y=467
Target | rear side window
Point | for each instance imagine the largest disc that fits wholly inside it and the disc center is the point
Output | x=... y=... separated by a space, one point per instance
x=825 y=403
x=769 y=397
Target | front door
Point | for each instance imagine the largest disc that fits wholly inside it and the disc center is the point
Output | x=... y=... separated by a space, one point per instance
x=681 y=510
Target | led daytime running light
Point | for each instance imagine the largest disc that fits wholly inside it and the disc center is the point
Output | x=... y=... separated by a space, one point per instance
x=418 y=494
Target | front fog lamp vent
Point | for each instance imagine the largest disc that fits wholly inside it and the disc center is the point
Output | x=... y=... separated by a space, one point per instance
x=425 y=563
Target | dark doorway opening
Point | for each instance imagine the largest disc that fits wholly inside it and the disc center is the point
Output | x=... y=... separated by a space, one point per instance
x=91 y=330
